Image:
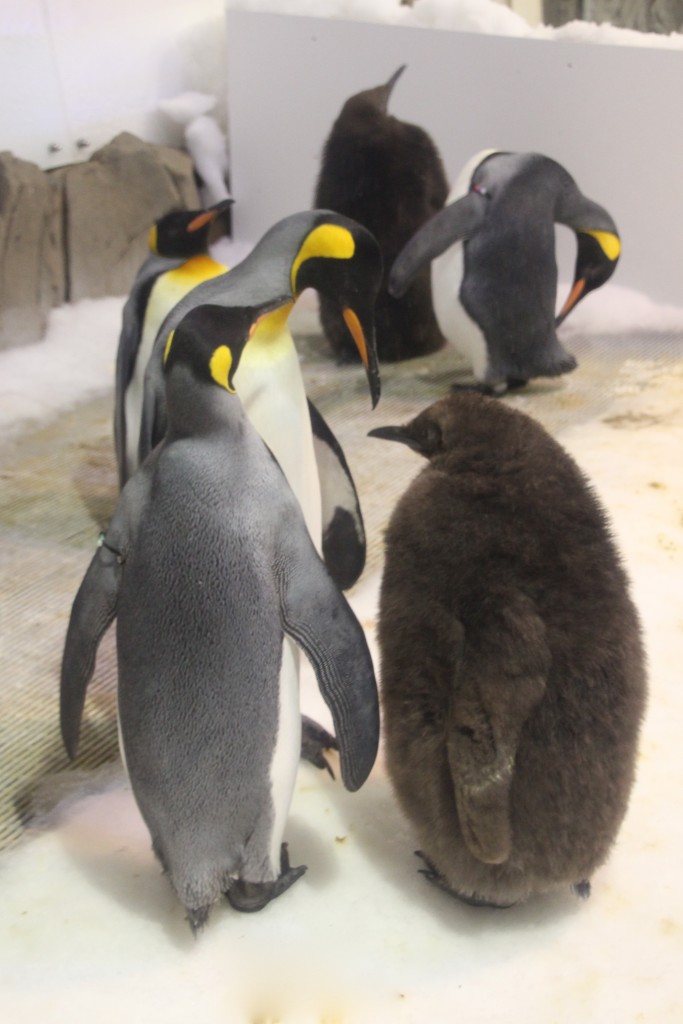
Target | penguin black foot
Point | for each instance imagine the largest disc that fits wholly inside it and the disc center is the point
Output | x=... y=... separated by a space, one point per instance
x=582 y=889
x=492 y=391
x=315 y=740
x=248 y=897
x=514 y=384
x=433 y=875
x=477 y=389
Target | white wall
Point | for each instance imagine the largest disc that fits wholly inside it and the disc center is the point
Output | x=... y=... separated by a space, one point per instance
x=609 y=114
x=80 y=71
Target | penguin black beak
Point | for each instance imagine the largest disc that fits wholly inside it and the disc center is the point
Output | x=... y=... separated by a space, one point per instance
x=364 y=338
x=399 y=434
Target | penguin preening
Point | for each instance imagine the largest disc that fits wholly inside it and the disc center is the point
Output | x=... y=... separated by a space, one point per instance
x=387 y=175
x=206 y=565
x=512 y=670
x=494 y=273
x=179 y=243
x=314 y=249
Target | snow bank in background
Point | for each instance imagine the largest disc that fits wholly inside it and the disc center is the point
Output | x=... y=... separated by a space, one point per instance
x=461 y=15
x=75 y=361
x=616 y=310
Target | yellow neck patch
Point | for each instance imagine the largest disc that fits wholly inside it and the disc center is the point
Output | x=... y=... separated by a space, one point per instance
x=608 y=242
x=195 y=270
x=168 y=346
x=220 y=365
x=327 y=240
x=152 y=239
x=270 y=325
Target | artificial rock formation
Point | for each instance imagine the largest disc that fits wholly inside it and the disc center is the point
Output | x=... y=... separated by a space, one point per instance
x=81 y=231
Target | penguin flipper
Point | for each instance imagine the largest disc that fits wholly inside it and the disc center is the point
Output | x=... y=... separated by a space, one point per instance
x=153 y=417
x=93 y=611
x=457 y=221
x=344 y=544
x=129 y=342
x=319 y=619
x=499 y=684
x=127 y=351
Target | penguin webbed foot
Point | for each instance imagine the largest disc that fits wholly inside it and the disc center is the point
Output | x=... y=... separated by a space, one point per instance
x=314 y=741
x=491 y=390
x=433 y=875
x=249 y=897
x=582 y=889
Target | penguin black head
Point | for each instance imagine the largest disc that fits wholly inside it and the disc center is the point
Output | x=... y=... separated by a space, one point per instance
x=342 y=261
x=185 y=233
x=467 y=429
x=209 y=342
x=371 y=101
x=596 y=259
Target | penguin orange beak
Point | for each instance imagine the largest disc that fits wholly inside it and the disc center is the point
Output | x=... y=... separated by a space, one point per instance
x=367 y=352
x=202 y=219
x=575 y=294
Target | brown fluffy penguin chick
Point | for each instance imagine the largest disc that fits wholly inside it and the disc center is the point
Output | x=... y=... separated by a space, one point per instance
x=513 y=674
x=388 y=176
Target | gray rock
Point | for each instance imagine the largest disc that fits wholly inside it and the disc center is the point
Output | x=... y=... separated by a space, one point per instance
x=110 y=203
x=30 y=260
x=81 y=231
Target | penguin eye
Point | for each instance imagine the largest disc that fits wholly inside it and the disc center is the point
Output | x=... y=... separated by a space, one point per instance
x=481 y=189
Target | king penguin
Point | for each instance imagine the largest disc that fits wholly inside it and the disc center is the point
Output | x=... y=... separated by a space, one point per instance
x=512 y=669
x=387 y=175
x=494 y=273
x=207 y=563
x=179 y=260
x=313 y=249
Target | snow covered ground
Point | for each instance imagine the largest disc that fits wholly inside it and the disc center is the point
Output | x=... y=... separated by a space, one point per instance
x=90 y=928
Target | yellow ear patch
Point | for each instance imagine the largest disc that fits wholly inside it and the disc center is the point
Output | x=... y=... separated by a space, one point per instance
x=168 y=346
x=608 y=242
x=328 y=240
x=220 y=365
x=152 y=239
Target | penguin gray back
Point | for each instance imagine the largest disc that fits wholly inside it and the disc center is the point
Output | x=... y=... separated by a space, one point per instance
x=493 y=253
x=207 y=564
x=388 y=175
x=512 y=669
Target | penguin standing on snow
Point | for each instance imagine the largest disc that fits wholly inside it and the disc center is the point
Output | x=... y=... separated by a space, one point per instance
x=206 y=564
x=388 y=176
x=335 y=255
x=513 y=675
x=180 y=260
x=494 y=274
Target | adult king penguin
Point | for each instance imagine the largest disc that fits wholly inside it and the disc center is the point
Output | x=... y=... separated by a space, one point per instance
x=513 y=672
x=207 y=563
x=388 y=176
x=335 y=255
x=494 y=274
x=180 y=260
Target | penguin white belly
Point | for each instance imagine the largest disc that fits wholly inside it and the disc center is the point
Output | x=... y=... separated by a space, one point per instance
x=271 y=388
x=167 y=291
x=447 y=272
x=287 y=752
x=456 y=325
